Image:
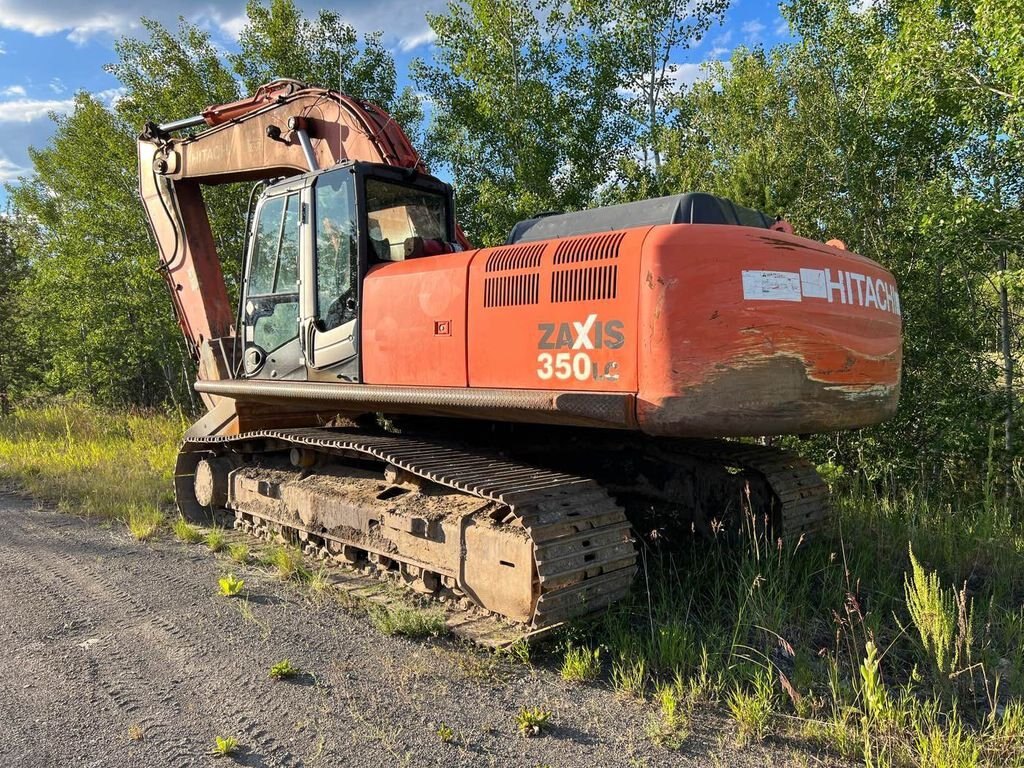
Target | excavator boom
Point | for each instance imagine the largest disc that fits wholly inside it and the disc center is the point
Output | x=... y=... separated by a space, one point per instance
x=285 y=128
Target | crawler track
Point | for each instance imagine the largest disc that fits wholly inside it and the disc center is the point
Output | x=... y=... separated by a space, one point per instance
x=584 y=556
x=583 y=550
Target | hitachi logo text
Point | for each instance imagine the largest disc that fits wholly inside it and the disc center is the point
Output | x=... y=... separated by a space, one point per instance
x=854 y=288
x=838 y=287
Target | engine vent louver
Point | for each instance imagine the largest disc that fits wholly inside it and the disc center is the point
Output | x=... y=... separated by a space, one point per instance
x=589 y=248
x=511 y=290
x=586 y=283
x=516 y=289
x=519 y=257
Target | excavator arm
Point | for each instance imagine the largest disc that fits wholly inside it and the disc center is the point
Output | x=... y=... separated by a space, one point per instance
x=285 y=128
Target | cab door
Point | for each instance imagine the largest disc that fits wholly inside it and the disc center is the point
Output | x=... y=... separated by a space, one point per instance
x=331 y=280
x=271 y=306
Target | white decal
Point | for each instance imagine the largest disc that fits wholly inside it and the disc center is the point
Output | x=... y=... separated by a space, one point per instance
x=839 y=287
x=771 y=286
x=812 y=283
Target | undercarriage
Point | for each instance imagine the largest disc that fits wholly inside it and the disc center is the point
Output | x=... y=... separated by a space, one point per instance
x=483 y=523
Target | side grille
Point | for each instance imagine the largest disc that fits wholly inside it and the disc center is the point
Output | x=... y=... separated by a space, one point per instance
x=589 y=248
x=516 y=289
x=511 y=290
x=585 y=284
x=518 y=257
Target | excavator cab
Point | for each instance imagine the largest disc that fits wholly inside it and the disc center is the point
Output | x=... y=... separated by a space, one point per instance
x=313 y=239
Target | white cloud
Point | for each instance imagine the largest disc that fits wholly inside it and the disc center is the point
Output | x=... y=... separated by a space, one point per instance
x=688 y=74
x=752 y=29
x=425 y=37
x=27 y=110
x=110 y=96
x=781 y=27
x=12 y=90
x=80 y=21
x=57 y=86
x=232 y=27
x=2 y=49
x=10 y=171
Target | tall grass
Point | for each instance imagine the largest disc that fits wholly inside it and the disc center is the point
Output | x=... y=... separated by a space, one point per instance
x=115 y=466
x=895 y=637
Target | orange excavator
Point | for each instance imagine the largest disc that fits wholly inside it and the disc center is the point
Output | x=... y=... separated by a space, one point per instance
x=496 y=425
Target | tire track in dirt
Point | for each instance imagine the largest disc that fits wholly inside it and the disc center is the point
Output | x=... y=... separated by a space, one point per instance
x=117 y=671
x=163 y=643
x=104 y=632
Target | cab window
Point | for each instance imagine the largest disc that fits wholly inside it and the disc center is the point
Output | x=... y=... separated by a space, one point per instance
x=404 y=222
x=336 y=262
x=272 y=299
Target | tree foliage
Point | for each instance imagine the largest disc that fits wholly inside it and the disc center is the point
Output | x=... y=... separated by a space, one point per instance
x=895 y=126
x=524 y=110
x=279 y=41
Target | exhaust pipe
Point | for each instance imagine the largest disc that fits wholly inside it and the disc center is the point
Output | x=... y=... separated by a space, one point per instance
x=298 y=126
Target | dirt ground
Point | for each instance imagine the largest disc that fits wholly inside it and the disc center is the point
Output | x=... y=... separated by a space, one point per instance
x=120 y=653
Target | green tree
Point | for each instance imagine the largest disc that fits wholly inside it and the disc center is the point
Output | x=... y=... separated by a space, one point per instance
x=523 y=104
x=962 y=61
x=278 y=41
x=94 y=304
x=648 y=39
x=15 y=362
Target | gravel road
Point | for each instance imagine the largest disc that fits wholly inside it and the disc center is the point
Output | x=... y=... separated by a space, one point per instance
x=120 y=653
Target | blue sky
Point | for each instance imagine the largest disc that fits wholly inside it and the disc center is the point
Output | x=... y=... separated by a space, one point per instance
x=50 y=50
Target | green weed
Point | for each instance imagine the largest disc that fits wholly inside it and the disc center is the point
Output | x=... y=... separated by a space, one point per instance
x=288 y=563
x=216 y=540
x=144 y=521
x=284 y=670
x=945 y=745
x=239 y=552
x=532 y=721
x=519 y=650
x=319 y=582
x=230 y=585
x=445 y=733
x=185 y=531
x=944 y=619
x=580 y=665
x=670 y=727
x=753 y=709
x=629 y=676
x=411 y=622
x=225 y=746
